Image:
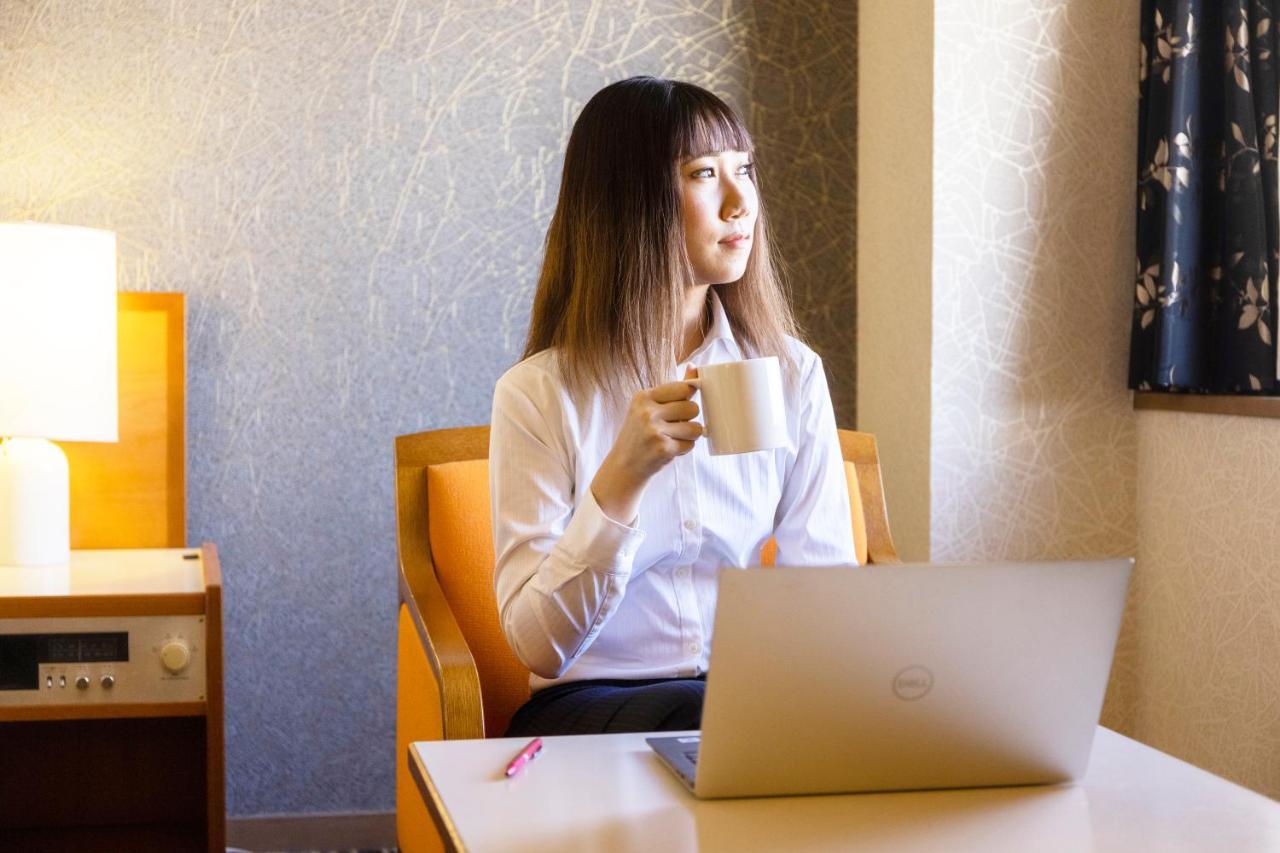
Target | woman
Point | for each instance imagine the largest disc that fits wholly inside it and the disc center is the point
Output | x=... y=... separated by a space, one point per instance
x=610 y=518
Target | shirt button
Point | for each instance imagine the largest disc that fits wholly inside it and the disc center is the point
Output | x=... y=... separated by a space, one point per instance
x=691 y=525
x=694 y=648
x=682 y=572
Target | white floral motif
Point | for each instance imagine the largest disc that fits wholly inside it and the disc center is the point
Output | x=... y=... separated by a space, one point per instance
x=1254 y=310
x=1237 y=57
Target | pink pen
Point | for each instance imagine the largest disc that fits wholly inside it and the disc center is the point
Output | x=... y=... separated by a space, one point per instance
x=526 y=755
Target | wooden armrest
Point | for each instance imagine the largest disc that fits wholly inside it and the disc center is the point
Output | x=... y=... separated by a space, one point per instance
x=880 y=547
x=447 y=652
x=860 y=449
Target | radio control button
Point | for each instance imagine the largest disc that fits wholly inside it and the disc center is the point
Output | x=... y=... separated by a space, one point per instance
x=82 y=682
x=175 y=656
x=108 y=681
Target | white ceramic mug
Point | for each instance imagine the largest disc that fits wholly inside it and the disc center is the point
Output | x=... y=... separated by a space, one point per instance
x=742 y=405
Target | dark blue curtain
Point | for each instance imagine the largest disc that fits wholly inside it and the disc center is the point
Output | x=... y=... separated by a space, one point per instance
x=1203 y=315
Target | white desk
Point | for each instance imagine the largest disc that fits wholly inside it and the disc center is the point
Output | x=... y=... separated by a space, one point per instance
x=610 y=792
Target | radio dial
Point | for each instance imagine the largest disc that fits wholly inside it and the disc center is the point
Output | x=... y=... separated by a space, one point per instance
x=82 y=683
x=175 y=656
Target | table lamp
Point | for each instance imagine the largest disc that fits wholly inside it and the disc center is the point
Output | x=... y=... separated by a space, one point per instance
x=57 y=377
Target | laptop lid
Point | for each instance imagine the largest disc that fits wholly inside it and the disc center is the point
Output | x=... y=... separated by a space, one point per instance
x=907 y=676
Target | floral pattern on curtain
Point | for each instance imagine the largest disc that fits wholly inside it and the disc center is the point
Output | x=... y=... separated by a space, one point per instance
x=1204 y=318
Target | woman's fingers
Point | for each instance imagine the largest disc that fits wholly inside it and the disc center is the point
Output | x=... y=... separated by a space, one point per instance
x=685 y=431
x=659 y=426
x=671 y=392
x=681 y=410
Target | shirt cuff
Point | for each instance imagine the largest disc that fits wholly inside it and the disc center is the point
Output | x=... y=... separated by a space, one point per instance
x=595 y=541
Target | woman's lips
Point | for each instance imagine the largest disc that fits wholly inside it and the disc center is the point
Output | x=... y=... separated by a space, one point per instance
x=738 y=241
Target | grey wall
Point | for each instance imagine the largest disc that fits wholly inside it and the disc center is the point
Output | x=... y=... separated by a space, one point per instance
x=353 y=197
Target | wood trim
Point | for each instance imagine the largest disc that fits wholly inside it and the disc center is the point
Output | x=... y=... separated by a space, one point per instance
x=132 y=493
x=436 y=447
x=339 y=831
x=173 y=306
x=444 y=825
x=177 y=425
x=53 y=606
x=860 y=448
x=1237 y=405
x=461 y=710
x=215 y=724
x=101 y=711
x=212 y=568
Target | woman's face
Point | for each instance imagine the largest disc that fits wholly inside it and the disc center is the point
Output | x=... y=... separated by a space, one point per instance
x=719 y=201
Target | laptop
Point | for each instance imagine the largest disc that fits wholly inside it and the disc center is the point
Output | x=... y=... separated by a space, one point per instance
x=903 y=677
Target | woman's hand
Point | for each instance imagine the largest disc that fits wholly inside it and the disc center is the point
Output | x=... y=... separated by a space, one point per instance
x=657 y=428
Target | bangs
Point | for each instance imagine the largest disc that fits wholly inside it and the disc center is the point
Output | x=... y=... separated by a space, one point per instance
x=704 y=125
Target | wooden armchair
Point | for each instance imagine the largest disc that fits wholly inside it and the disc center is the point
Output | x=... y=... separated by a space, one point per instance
x=457 y=677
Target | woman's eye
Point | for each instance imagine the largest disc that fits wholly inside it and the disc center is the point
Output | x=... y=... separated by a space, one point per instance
x=710 y=172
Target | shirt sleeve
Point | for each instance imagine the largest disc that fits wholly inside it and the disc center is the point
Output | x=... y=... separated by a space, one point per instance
x=812 y=526
x=561 y=565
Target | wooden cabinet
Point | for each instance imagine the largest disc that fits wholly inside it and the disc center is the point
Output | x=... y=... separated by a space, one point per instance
x=128 y=753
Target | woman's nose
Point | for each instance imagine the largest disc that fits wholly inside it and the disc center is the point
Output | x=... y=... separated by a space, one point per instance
x=735 y=203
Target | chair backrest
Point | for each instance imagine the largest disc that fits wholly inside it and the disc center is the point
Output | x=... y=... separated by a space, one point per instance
x=443 y=477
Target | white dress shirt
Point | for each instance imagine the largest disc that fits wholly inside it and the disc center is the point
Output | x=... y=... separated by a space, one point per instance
x=584 y=596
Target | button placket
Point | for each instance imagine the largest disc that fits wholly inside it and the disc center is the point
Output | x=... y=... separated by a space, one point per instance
x=686 y=516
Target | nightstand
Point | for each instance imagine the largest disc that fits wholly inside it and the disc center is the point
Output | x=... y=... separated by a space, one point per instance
x=111 y=703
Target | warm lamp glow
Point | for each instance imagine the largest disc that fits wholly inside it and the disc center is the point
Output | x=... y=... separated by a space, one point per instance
x=57 y=376
x=57 y=332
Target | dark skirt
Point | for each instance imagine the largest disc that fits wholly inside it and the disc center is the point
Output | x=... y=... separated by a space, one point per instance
x=611 y=705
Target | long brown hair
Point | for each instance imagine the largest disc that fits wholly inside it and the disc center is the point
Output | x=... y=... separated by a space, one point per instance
x=611 y=291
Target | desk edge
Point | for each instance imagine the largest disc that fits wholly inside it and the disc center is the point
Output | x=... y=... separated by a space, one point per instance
x=435 y=804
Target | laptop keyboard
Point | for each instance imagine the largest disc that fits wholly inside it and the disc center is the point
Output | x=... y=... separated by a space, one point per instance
x=692 y=755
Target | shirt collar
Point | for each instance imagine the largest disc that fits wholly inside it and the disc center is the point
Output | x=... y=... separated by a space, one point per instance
x=719 y=330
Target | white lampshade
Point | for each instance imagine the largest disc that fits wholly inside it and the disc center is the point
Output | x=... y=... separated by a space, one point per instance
x=57 y=332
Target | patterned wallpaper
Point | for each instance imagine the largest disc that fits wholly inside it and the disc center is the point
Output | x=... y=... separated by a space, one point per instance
x=800 y=73
x=1199 y=660
x=354 y=197
x=1033 y=438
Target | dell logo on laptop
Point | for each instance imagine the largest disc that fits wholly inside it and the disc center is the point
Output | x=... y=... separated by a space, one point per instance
x=912 y=682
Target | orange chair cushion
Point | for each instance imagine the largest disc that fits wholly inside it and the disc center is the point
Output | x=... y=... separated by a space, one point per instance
x=462 y=549
x=769 y=553
x=415 y=720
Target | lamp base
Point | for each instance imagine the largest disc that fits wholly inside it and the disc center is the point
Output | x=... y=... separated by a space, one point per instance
x=35 y=503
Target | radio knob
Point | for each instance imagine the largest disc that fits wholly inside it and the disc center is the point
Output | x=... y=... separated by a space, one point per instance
x=82 y=683
x=108 y=681
x=175 y=656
